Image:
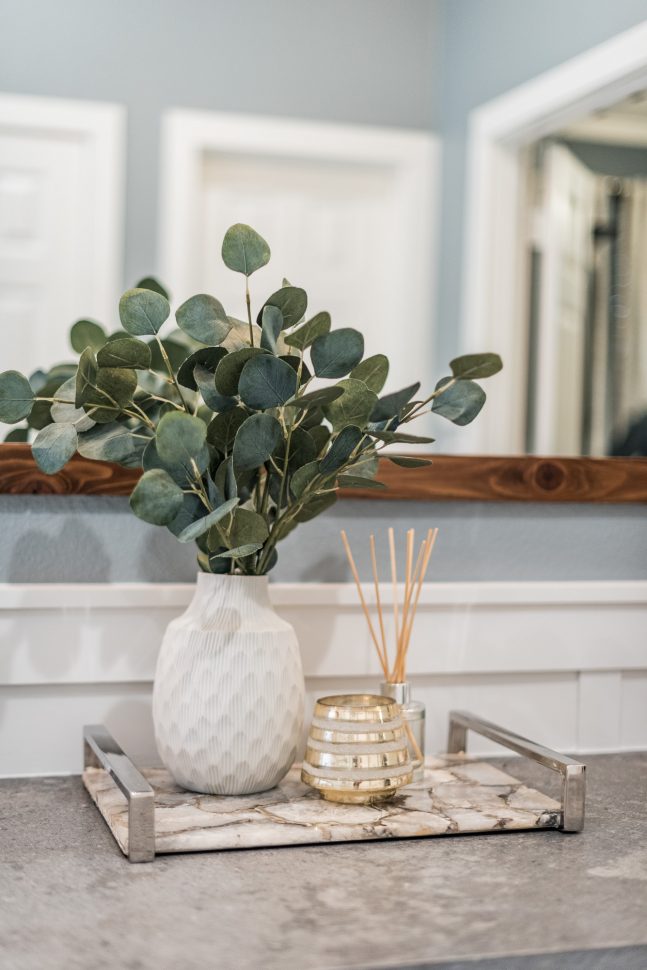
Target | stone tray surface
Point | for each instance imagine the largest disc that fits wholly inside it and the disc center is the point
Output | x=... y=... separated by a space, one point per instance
x=457 y=796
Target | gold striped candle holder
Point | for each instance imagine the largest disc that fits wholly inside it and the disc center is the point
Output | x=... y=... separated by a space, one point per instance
x=357 y=749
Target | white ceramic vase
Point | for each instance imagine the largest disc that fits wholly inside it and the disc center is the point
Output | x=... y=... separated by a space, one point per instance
x=229 y=695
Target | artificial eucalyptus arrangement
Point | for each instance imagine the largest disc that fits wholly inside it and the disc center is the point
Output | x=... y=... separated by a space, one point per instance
x=239 y=437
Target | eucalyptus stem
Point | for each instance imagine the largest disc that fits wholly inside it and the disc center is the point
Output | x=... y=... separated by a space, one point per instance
x=249 y=311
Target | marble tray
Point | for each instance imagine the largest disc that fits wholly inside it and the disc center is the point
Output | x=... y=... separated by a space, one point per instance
x=457 y=795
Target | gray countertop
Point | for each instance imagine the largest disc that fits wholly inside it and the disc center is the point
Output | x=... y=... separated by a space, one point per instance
x=538 y=901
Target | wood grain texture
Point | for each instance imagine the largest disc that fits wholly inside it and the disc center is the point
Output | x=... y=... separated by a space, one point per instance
x=451 y=477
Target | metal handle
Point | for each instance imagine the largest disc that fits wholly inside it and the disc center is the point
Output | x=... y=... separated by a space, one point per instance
x=573 y=772
x=100 y=750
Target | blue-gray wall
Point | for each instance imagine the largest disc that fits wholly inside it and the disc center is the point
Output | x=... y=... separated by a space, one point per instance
x=413 y=63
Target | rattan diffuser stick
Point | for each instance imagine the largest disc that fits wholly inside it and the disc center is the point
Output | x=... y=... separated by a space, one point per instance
x=403 y=613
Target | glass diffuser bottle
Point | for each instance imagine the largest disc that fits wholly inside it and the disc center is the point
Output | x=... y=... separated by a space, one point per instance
x=413 y=716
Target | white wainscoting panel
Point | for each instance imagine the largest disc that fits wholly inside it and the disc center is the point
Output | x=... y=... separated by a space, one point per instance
x=564 y=663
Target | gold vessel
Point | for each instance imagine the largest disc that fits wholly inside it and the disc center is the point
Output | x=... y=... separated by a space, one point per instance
x=357 y=749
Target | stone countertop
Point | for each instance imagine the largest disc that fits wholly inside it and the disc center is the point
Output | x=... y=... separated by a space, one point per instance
x=533 y=900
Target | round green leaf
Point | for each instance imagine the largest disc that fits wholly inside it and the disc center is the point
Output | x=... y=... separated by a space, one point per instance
x=315 y=506
x=353 y=407
x=54 y=446
x=208 y=357
x=64 y=411
x=182 y=472
x=316 y=399
x=266 y=382
x=16 y=397
x=112 y=442
x=202 y=525
x=203 y=318
x=460 y=403
x=17 y=435
x=243 y=250
x=112 y=392
x=156 y=498
x=86 y=376
x=244 y=528
x=335 y=354
x=87 y=333
x=151 y=283
x=222 y=430
x=175 y=351
x=292 y=301
x=143 y=312
x=390 y=405
x=204 y=379
x=255 y=441
x=302 y=478
x=308 y=333
x=341 y=449
x=180 y=438
x=373 y=372
x=125 y=352
x=476 y=365
x=302 y=450
x=272 y=324
x=229 y=369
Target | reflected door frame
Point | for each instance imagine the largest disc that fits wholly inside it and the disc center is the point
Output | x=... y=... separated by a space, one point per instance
x=493 y=271
x=411 y=159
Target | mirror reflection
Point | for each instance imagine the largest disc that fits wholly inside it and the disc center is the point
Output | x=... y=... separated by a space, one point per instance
x=585 y=288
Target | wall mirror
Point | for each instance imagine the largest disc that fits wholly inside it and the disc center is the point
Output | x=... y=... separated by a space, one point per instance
x=555 y=245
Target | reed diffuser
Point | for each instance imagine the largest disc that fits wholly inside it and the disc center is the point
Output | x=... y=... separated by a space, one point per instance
x=394 y=662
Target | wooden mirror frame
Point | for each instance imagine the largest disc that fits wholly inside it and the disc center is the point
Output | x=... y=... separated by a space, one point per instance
x=521 y=478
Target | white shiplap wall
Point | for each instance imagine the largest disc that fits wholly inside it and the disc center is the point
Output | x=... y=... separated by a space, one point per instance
x=563 y=663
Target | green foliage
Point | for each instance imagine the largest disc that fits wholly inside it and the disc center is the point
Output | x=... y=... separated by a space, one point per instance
x=244 y=430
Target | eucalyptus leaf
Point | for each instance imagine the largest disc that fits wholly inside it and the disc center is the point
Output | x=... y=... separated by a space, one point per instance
x=303 y=477
x=390 y=405
x=341 y=449
x=205 y=382
x=17 y=435
x=373 y=372
x=200 y=526
x=182 y=472
x=353 y=407
x=151 y=283
x=207 y=357
x=292 y=301
x=16 y=397
x=156 y=498
x=191 y=509
x=299 y=367
x=180 y=438
x=460 y=402
x=244 y=527
x=112 y=442
x=320 y=434
x=398 y=438
x=241 y=552
x=316 y=399
x=476 y=365
x=143 y=311
x=353 y=481
x=407 y=461
x=366 y=465
x=203 y=318
x=230 y=367
x=317 y=326
x=87 y=333
x=64 y=411
x=112 y=392
x=125 y=352
x=302 y=450
x=175 y=351
x=86 y=376
x=243 y=250
x=271 y=325
x=256 y=440
x=54 y=446
x=222 y=430
x=336 y=353
x=266 y=382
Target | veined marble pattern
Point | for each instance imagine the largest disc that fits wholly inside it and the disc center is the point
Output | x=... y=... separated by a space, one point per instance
x=456 y=796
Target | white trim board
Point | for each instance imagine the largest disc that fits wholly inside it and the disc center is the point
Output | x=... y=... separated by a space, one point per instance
x=565 y=663
x=492 y=277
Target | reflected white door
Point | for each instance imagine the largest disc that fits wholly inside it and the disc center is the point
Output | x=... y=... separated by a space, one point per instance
x=348 y=211
x=61 y=202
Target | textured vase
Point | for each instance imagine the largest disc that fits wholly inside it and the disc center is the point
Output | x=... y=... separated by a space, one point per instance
x=229 y=695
